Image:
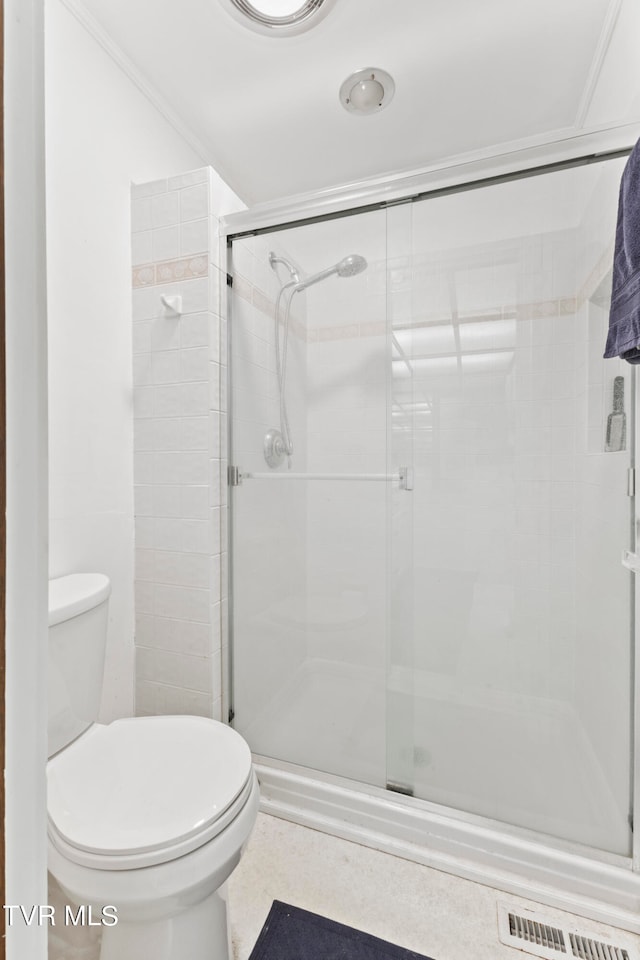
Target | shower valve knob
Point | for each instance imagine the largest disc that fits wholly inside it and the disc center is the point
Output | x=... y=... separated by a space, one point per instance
x=274 y=448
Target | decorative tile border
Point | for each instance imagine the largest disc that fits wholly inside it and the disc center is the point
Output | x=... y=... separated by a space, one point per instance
x=168 y=271
x=562 y=307
x=263 y=303
x=144 y=276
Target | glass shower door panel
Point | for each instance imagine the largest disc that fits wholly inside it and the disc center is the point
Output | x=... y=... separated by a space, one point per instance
x=521 y=608
x=309 y=532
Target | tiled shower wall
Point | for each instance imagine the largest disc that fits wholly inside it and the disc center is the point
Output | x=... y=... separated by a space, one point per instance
x=179 y=400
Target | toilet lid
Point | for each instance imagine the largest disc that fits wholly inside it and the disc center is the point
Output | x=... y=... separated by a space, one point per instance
x=144 y=783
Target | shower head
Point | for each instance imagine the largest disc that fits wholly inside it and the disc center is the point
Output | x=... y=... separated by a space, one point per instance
x=351 y=265
x=348 y=267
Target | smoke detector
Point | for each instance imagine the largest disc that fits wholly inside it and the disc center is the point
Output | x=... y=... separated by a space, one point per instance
x=367 y=91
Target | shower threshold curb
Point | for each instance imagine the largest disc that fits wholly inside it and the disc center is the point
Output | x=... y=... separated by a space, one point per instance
x=465 y=846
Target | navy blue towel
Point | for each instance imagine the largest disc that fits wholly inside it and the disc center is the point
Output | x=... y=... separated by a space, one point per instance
x=624 y=318
x=290 y=933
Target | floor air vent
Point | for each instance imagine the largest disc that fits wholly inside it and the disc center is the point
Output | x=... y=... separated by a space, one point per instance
x=587 y=949
x=532 y=933
x=540 y=934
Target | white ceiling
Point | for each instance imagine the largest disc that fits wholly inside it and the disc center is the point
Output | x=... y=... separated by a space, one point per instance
x=469 y=75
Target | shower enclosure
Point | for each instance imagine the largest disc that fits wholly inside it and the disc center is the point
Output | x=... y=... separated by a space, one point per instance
x=427 y=598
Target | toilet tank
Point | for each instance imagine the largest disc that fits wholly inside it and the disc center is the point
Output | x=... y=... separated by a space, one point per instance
x=78 y=605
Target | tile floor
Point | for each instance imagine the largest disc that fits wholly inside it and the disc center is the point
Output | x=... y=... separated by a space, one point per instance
x=424 y=910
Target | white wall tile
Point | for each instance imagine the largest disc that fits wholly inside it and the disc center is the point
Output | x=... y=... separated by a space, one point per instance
x=195 y=467
x=141 y=218
x=165 y=333
x=168 y=467
x=151 y=189
x=195 y=399
x=217 y=483
x=194 y=237
x=194 y=202
x=215 y=400
x=143 y=465
x=215 y=572
x=166 y=500
x=181 y=603
x=166 y=243
x=167 y=434
x=194 y=570
x=168 y=567
x=194 y=502
x=144 y=593
x=166 y=366
x=175 y=438
x=143 y=435
x=168 y=400
x=142 y=373
x=143 y=500
x=201 y=175
x=217 y=289
x=143 y=401
x=196 y=674
x=141 y=247
x=194 y=330
x=144 y=564
x=194 y=364
x=165 y=209
x=144 y=527
x=195 y=295
x=196 y=536
x=170 y=601
x=142 y=303
x=168 y=534
x=141 y=341
x=218 y=618
x=194 y=433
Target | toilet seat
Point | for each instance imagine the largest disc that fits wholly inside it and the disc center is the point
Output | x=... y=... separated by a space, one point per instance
x=146 y=790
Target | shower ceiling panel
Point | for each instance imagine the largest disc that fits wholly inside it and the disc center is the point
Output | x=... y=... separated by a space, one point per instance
x=469 y=76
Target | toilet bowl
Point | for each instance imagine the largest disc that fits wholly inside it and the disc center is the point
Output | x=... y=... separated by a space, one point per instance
x=147 y=816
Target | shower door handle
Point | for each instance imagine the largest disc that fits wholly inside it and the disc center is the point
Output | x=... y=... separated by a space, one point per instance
x=405 y=475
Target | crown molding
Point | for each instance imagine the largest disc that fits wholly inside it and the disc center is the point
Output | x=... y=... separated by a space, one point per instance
x=599 y=56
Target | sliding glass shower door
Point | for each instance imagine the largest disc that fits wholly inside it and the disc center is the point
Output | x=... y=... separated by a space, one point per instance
x=427 y=588
x=519 y=667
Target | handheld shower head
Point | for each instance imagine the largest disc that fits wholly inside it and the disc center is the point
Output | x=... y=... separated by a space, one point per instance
x=348 y=267
x=277 y=443
x=351 y=265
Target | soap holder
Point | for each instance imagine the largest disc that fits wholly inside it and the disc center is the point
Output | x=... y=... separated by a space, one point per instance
x=172 y=305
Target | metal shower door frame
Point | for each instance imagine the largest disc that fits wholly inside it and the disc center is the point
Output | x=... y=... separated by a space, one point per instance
x=272 y=218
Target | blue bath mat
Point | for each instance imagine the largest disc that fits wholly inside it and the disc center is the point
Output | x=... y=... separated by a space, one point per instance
x=290 y=933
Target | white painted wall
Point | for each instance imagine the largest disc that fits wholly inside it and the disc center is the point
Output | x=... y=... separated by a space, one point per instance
x=25 y=824
x=102 y=134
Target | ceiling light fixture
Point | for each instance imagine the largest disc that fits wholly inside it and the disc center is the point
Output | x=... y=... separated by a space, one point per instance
x=278 y=17
x=367 y=91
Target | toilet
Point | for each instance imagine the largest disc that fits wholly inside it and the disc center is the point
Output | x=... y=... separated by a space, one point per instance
x=147 y=815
